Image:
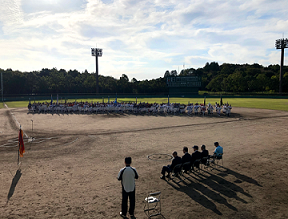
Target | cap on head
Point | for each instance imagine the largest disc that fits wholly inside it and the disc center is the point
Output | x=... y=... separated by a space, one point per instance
x=128 y=160
x=195 y=147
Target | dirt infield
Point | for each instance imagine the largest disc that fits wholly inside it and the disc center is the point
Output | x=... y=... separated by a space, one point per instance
x=70 y=169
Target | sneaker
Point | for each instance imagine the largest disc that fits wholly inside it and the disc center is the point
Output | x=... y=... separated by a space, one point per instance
x=123 y=216
x=162 y=177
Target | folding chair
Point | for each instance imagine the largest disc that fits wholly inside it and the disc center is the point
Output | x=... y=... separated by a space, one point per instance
x=195 y=164
x=205 y=162
x=152 y=205
x=215 y=161
x=177 y=169
x=176 y=173
x=186 y=166
x=218 y=158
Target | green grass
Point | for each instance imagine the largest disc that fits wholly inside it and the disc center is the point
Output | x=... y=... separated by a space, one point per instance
x=260 y=103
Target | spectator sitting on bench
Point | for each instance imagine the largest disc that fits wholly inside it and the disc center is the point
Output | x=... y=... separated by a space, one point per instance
x=186 y=158
x=204 y=154
x=169 y=168
x=196 y=155
x=218 y=151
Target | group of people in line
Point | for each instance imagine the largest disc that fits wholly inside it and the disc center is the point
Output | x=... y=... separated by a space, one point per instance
x=190 y=161
x=130 y=107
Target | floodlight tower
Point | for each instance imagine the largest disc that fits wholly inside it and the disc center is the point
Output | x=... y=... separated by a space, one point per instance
x=281 y=44
x=97 y=53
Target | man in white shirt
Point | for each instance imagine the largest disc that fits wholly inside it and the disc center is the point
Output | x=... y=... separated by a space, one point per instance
x=127 y=175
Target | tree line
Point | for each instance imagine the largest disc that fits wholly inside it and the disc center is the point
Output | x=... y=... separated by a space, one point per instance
x=226 y=77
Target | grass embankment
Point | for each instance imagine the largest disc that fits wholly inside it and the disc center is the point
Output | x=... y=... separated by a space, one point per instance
x=260 y=103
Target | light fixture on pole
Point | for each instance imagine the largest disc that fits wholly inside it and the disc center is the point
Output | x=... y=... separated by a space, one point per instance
x=281 y=44
x=97 y=53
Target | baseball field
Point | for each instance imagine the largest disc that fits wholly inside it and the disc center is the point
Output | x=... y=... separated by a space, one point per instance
x=70 y=167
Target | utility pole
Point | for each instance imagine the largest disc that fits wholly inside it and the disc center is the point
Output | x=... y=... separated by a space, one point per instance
x=97 y=53
x=2 y=86
x=281 y=44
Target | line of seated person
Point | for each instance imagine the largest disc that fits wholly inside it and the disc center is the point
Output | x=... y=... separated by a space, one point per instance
x=188 y=161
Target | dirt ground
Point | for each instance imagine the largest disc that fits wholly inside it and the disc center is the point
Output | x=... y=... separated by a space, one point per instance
x=70 y=169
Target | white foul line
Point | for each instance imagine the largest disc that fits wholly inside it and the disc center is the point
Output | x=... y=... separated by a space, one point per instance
x=17 y=123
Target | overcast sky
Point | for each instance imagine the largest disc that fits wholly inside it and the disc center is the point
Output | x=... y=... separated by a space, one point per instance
x=141 y=39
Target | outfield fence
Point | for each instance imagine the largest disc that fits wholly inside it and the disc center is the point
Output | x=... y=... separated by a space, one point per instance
x=111 y=96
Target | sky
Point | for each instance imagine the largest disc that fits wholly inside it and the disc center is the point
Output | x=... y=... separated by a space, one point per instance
x=141 y=39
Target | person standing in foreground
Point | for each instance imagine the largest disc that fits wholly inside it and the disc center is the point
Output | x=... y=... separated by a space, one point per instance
x=127 y=175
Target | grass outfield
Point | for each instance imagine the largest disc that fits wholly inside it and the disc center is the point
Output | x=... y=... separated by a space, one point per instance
x=260 y=103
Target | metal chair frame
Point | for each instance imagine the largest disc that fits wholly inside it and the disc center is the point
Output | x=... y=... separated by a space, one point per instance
x=193 y=165
x=153 y=199
x=205 y=165
x=215 y=161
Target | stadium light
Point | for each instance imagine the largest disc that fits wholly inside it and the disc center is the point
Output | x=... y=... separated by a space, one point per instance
x=97 y=53
x=281 y=44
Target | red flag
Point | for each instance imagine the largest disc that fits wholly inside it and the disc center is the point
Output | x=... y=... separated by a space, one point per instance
x=21 y=143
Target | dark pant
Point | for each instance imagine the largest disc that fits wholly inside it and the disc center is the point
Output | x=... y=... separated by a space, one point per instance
x=187 y=166
x=204 y=161
x=215 y=157
x=196 y=164
x=125 y=196
x=166 y=169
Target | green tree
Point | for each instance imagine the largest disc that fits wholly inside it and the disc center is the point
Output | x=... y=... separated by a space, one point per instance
x=167 y=74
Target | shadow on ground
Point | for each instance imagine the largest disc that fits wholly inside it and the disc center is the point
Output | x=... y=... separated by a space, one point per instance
x=208 y=188
x=13 y=184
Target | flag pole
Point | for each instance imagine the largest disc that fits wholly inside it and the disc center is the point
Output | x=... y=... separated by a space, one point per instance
x=19 y=148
